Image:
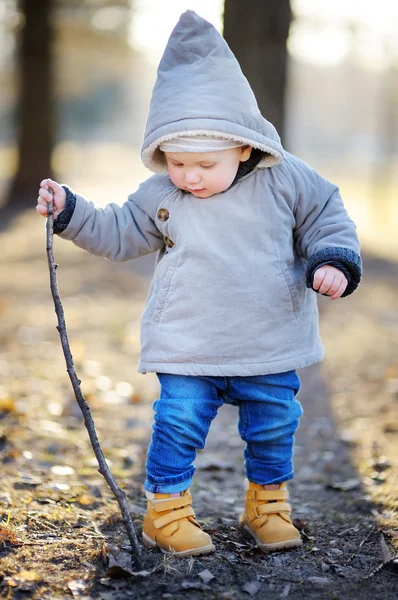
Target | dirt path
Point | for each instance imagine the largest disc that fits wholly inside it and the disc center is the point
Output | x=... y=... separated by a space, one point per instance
x=56 y=513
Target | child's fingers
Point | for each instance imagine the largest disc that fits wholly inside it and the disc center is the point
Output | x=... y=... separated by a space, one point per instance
x=58 y=190
x=46 y=183
x=329 y=281
x=326 y=283
x=341 y=289
x=45 y=195
x=42 y=210
x=335 y=286
x=318 y=278
x=42 y=202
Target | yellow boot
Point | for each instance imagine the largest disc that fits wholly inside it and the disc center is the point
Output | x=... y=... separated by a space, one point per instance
x=170 y=524
x=267 y=518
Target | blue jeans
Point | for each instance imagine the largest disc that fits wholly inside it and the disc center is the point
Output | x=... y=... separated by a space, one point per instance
x=268 y=418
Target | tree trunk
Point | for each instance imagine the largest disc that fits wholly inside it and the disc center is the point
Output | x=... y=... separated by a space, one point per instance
x=35 y=110
x=256 y=31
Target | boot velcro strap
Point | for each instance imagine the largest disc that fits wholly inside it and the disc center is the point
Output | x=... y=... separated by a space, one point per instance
x=272 y=507
x=170 y=504
x=173 y=515
x=267 y=495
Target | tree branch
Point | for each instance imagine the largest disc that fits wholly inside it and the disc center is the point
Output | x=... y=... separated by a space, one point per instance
x=88 y=420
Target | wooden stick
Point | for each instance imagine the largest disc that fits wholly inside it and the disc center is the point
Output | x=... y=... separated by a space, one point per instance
x=88 y=420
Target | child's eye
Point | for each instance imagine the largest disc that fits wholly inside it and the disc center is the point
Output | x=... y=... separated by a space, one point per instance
x=207 y=166
x=177 y=164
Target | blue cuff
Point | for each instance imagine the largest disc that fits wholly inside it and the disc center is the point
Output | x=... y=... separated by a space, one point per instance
x=64 y=217
x=348 y=260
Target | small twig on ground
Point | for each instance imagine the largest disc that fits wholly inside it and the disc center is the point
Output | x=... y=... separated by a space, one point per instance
x=393 y=562
x=389 y=559
x=355 y=554
x=75 y=381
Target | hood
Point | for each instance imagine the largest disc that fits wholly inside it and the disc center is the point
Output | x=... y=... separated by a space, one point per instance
x=200 y=89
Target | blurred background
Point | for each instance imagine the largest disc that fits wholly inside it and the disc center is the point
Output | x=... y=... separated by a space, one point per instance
x=76 y=78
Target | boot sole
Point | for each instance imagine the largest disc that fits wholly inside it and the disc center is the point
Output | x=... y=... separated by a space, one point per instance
x=285 y=545
x=150 y=543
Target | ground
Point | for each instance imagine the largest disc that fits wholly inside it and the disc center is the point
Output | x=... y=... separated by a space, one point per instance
x=59 y=522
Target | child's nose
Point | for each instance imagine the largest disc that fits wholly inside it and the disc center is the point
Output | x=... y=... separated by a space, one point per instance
x=192 y=176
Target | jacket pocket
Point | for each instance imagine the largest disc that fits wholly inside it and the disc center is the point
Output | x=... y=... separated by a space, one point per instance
x=163 y=291
x=292 y=287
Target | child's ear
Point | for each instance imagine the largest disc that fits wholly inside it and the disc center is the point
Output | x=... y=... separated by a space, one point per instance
x=245 y=153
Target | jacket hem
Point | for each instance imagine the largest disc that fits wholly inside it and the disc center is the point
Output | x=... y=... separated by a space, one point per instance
x=233 y=370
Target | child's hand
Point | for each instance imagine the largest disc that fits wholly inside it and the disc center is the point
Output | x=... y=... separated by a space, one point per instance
x=330 y=281
x=45 y=197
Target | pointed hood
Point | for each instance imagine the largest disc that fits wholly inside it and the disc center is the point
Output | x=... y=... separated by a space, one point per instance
x=200 y=89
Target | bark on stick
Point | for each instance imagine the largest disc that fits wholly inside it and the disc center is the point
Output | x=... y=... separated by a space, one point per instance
x=75 y=381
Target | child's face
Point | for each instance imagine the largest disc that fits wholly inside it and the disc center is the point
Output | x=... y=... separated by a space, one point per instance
x=207 y=173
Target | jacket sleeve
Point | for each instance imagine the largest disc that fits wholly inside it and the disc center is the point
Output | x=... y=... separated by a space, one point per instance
x=116 y=232
x=323 y=233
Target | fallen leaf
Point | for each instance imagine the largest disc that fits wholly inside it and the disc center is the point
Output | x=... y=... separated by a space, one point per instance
x=381 y=464
x=319 y=581
x=344 y=571
x=238 y=544
x=29 y=575
x=334 y=552
x=25 y=581
x=206 y=576
x=120 y=563
x=193 y=585
x=26 y=482
x=113 y=519
x=345 y=486
x=86 y=500
x=78 y=587
x=251 y=587
x=285 y=592
x=386 y=552
x=58 y=486
x=301 y=525
x=6 y=535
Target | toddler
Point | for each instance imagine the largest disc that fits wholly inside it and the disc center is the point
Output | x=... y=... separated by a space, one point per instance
x=245 y=233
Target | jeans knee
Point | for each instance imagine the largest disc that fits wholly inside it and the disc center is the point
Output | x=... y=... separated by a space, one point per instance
x=181 y=434
x=281 y=422
x=179 y=423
